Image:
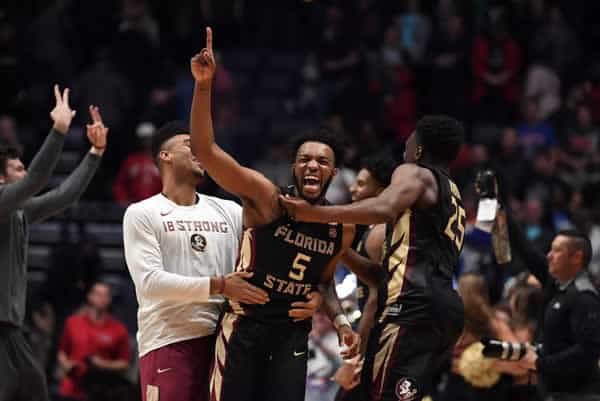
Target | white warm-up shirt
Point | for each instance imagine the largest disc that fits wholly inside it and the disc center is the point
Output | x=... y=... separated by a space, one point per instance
x=171 y=252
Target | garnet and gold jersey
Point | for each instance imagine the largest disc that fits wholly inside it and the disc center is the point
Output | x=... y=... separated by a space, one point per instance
x=288 y=259
x=421 y=253
x=362 y=289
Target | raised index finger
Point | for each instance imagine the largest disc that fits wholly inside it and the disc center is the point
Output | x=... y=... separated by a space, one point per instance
x=209 y=38
x=97 y=116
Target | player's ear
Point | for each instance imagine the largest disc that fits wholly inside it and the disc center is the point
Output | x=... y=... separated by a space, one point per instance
x=164 y=156
x=419 y=152
x=334 y=172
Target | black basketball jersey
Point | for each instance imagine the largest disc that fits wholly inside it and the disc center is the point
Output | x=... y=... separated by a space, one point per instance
x=421 y=253
x=288 y=258
x=362 y=289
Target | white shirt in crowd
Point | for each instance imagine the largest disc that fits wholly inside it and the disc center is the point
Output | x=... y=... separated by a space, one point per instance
x=171 y=252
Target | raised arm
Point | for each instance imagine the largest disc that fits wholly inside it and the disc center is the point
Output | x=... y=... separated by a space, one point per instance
x=246 y=183
x=407 y=186
x=14 y=195
x=535 y=261
x=71 y=189
x=152 y=281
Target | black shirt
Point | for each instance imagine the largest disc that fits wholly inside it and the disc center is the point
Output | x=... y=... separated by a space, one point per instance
x=569 y=329
x=420 y=257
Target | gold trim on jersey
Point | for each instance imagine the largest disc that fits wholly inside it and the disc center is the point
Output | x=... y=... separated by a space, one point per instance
x=385 y=351
x=216 y=380
x=396 y=262
x=246 y=258
x=236 y=307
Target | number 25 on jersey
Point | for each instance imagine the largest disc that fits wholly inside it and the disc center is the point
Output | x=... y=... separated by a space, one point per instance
x=456 y=232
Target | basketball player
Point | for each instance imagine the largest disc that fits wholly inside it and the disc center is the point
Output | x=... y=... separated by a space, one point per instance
x=373 y=177
x=260 y=352
x=180 y=248
x=419 y=316
x=21 y=377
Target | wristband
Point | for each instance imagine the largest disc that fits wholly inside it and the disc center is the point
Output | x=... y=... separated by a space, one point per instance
x=340 y=320
x=221 y=284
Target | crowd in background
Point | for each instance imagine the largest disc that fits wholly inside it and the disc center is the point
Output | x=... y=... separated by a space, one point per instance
x=523 y=76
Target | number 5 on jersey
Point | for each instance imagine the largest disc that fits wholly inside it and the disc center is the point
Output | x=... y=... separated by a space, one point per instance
x=299 y=266
x=456 y=234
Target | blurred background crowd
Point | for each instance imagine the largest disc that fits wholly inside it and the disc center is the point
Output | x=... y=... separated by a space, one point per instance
x=523 y=76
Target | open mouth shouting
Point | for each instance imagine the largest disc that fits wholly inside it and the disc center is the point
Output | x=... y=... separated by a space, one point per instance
x=311 y=185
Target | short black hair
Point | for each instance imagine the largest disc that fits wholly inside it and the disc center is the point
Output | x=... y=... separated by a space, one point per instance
x=579 y=242
x=381 y=166
x=166 y=132
x=322 y=135
x=441 y=137
x=7 y=152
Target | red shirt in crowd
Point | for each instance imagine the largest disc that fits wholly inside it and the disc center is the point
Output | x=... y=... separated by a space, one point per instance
x=138 y=179
x=83 y=337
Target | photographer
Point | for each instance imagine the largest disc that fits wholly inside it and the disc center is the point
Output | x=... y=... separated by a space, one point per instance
x=569 y=331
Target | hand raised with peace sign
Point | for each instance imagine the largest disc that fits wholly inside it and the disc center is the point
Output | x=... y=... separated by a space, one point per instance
x=96 y=132
x=203 y=64
x=61 y=114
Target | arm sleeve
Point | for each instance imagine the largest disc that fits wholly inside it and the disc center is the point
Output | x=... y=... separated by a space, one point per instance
x=584 y=354
x=65 y=340
x=535 y=261
x=67 y=193
x=13 y=196
x=124 y=351
x=145 y=264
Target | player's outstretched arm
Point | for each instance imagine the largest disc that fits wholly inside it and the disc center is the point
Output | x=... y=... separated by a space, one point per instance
x=71 y=189
x=14 y=195
x=246 y=183
x=407 y=186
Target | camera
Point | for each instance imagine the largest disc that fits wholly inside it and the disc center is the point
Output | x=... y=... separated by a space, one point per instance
x=507 y=350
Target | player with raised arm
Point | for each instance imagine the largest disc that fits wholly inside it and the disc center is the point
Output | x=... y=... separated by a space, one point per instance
x=420 y=316
x=180 y=248
x=261 y=351
x=21 y=376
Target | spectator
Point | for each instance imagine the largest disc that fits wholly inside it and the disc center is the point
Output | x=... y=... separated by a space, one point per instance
x=583 y=134
x=450 y=69
x=557 y=40
x=391 y=51
x=534 y=133
x=8 y=133
x=137 y=17
x=509 y=164
x=138 y=176
x=339 y=59
x=496 y=61
x=543 y=83
x=94 y=348
x=414 y=28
